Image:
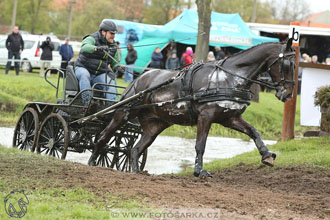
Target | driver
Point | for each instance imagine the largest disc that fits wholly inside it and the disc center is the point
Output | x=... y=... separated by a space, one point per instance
x=93 y=64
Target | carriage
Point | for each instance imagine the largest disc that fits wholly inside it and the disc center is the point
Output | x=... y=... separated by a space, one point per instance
x=53 y=129
x=200 y=94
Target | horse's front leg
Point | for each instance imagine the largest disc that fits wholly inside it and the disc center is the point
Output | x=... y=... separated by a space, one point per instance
x=238 y=123
x=203 y=127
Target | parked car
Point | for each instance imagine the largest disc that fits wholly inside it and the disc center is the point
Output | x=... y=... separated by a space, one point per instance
x=30 y=57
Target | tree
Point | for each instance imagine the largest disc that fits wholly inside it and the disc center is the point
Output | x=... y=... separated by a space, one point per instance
x=88 y=20
x=204 y=25
x=290 y=10
x=245 y=9
x=32 y=15
x=162 y=11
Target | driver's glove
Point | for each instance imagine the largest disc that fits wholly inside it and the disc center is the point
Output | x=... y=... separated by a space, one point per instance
x=101 y=48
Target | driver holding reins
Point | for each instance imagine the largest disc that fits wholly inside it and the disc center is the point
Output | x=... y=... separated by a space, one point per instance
x=93 y=63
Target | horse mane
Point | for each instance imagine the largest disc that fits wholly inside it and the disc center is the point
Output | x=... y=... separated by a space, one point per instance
x=251 y=48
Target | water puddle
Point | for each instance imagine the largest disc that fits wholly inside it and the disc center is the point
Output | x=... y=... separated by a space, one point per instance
x=168 y=154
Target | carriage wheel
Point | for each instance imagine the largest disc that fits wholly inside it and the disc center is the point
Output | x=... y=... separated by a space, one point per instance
x=25 y=133
x=124 y=143
x=105 y=158
x=53 y=137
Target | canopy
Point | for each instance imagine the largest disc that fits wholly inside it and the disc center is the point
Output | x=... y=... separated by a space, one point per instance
x=227 y=30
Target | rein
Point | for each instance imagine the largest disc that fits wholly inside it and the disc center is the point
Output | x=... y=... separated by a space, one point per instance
x=280 y=57
x=217 y=94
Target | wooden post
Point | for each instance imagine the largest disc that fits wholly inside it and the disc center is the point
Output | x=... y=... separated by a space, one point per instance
x=290 y=106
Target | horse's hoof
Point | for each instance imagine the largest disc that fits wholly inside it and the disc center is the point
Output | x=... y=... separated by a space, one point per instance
x=268 y=158
x=196 y=174
x=269 y=161
x=204 y=174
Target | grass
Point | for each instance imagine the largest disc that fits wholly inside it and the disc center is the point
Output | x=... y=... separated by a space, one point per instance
x=266 y=116
x=314 y=152
x=49 y=197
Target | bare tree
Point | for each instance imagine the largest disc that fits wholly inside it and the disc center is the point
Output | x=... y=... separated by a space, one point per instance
x=34 y=13
x=290 y=10
x=204 y=26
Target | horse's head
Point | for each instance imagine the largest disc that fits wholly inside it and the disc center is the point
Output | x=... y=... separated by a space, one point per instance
x=281 y=70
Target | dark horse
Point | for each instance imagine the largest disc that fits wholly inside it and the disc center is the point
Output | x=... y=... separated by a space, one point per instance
x=238 y=71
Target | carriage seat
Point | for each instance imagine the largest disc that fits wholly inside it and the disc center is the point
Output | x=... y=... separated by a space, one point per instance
x=72 y=84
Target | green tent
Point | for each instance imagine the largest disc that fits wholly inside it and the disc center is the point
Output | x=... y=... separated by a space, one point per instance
x=227 y=30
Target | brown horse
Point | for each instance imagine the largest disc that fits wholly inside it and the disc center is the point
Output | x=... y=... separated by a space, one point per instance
x=237 y=72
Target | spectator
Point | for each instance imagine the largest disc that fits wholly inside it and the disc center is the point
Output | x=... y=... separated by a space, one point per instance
x=119 y=74
x=210 y=56
x=171 y=48
x=156 y=59
x=315 y=59
x=219 y=54
x=66 y=52
x=327 y=61
x=306 y=58
x=186 y=58
x=47 y=55
x=118 y=51
x=130 y=61
x=172 y=62
x=15 y=46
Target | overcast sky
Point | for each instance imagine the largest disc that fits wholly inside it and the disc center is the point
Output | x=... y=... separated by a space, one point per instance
x=316 y=5
x=319 y=5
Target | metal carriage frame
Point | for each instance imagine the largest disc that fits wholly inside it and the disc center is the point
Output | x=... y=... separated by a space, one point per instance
x=51 y=129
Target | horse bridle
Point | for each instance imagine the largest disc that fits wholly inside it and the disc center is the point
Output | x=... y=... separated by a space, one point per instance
x=285 y=67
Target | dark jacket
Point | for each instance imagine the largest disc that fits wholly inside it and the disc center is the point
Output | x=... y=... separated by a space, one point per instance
x=14 y=42
x=156 y=60
x=66 y=52
x=131 y=56
x=47 y=48
x=220 y=55
x=96 y=62
x=172 y=63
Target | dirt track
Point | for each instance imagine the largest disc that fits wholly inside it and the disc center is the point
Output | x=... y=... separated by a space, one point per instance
x=241 y=192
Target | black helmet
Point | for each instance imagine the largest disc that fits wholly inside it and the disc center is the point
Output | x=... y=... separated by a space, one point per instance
x=108 y=25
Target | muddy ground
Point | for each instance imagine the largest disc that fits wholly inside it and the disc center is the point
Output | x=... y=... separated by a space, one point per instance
x=242 y=192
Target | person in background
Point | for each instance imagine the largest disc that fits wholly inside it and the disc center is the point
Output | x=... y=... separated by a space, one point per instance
x=172 y=62
x=156 y=59
x=94 y=65
x=130 y=59
x=15 y=46
x=187 y=57
x=306 y=58
x=171 y=48
x=66 y=52
x=327 y=61
x=119 y=74
x=315 y=59
x=210 y=56
x=46 y=56
x=219 y=54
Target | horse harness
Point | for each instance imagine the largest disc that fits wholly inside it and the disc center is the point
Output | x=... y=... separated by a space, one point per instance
x=238 y=95
x=285 y=66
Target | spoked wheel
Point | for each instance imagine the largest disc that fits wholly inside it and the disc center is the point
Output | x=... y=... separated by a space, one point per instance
x=53 y=137
x=125 y=141
x=25 y=133
x=106 y=156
